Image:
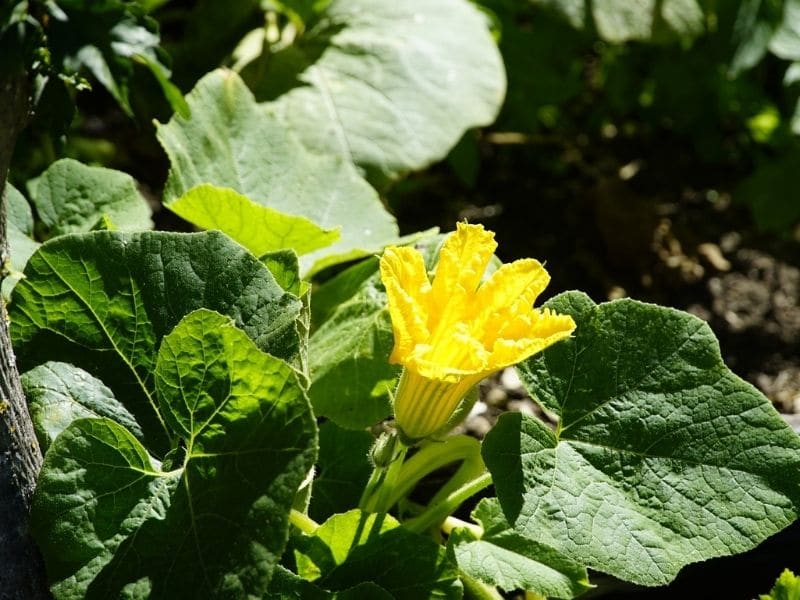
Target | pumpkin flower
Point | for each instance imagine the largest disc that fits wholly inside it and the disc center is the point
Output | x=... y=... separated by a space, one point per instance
x=452 y=332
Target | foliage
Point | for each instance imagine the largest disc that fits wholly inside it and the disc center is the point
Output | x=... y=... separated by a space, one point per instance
x=214 y=403
x=787 y=587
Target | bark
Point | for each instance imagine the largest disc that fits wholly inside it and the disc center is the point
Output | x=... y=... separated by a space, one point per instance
x=21 y=567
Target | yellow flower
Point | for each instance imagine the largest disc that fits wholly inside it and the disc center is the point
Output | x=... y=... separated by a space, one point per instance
x=453 y=332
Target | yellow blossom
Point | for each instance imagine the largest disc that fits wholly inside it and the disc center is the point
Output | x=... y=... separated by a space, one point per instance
x=452 y=332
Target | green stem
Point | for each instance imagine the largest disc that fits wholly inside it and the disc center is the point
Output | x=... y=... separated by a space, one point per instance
x=430 y=458
x=477 y=590
x=451 y=523
x=303 y=522
x=381 y=483
x=436 y=513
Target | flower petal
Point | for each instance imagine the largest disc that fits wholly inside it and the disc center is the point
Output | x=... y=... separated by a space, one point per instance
x=547 y=329
x=406 y=281
x=518 y=283
x=462 y=263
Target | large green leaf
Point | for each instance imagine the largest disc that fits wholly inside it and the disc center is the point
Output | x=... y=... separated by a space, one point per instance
x=71 y=197
x=229 y=141
x=355 y=547
x=258 y=228
x=59 y=393
x=504 y=558
x=104 y=300
x=390 y=86
x=662 y=456
x=109 y=518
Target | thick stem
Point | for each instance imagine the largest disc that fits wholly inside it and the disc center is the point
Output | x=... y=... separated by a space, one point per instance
x=437 y=513
x=303 y=522
x=430 y=458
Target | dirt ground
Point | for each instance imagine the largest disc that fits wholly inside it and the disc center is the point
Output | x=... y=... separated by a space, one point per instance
x=657 y=230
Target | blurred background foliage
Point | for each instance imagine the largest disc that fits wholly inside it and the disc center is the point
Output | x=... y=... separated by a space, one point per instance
x=645 y=147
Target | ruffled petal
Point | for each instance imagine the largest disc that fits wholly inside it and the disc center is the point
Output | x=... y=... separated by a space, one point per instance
x=547 y=329
x=462 y=262
x=406 y=281
x=518 y=283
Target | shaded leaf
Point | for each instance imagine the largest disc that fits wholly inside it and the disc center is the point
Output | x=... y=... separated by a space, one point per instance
x=662 y=456
x=355 y=547
x=351 y=378
x=59 y=393
x=19 y=230
x=342 y=470
x=107 y=37
x=285 y=585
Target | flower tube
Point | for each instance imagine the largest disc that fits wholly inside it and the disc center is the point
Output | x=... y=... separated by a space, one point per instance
x=452 y=332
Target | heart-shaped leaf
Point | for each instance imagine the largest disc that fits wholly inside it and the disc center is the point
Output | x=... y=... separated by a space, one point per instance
x=104 y=300
x=662 y=456
x=213 y=520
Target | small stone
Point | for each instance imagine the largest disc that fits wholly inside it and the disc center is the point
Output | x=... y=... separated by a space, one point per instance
x=496 y=396
x=526 y=407
x=479 y=425
x=510 y=380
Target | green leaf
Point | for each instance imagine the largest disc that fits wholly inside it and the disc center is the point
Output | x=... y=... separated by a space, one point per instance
x=765 y=191
x=59 y=393
x=390 y=86
x=97 y=487
x=106 y=37
x=355 y=547
x=340 y=288
x=785 y=43
x=285 y=585
x=71 y=197
x=284 y=267
x=216 y=525
x=230 y=141
x=351 y=378
x=504 y=558
x=19 y=229
x=104 y=300
x=343 y=470
x=787 y=587
x=662 y=456
x=624 y=20
x=258 y=228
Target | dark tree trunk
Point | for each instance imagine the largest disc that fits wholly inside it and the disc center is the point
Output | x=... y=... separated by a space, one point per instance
x=21 y=568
